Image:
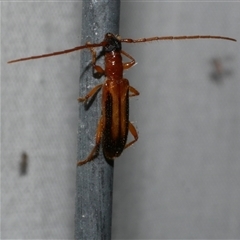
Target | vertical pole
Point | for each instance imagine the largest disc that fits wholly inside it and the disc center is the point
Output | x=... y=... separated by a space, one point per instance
x=95 y=179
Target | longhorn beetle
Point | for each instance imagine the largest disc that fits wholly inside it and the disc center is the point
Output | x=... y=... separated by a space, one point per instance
x=114 y=124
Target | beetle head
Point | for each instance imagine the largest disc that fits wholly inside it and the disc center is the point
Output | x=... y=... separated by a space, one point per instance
x=111 y=43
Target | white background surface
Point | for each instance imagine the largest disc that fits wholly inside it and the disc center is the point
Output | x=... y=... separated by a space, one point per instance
x=181 y=179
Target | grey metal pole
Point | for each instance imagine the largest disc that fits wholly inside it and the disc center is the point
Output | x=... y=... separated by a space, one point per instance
x=95 y=179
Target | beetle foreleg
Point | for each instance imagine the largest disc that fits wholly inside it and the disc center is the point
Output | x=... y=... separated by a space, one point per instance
x=127 y=65
x=90 y=94
x=95 y=150
x=97 y=68
x=133 y=131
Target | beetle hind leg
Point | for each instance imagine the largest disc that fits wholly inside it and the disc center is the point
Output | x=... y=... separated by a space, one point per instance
x=95 y=150
x=91 y=156
x=133 y=131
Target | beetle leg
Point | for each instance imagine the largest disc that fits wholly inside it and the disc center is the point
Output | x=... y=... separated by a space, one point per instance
x=133 y=131
x=134 y=91
x=95 y=150
x=97 y=68
x=127 y=65
x=90 y=94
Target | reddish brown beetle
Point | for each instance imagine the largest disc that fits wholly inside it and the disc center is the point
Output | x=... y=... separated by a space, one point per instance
x=114 y=124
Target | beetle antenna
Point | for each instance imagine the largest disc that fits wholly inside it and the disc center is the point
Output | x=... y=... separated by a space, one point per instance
x=58 y=53
x=129 y=40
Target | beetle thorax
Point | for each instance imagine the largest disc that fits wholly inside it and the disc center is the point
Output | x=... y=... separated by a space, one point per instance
x=113 y=65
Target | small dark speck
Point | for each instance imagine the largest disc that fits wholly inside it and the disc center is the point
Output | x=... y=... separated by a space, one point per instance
x=23 y=166
x=220 y=71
